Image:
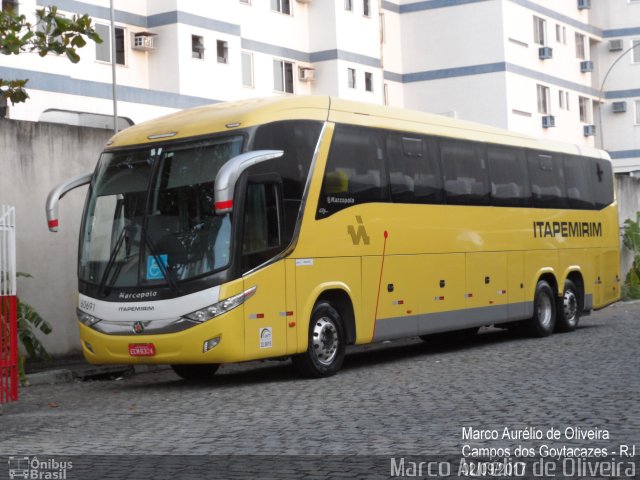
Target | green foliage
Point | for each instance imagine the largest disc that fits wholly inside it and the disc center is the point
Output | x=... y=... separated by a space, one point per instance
x=30 y=321
x=631 y=240
x=51 y=33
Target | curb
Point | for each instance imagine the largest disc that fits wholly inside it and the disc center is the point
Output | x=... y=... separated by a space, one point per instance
x=87 y=372
x=50 y=377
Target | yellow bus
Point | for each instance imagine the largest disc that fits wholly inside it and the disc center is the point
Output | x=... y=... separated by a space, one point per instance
x=293 y=227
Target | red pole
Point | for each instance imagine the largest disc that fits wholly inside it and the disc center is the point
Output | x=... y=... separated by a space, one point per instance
x=8 y=349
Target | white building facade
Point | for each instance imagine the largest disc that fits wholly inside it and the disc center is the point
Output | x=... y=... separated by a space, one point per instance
x=536 y=67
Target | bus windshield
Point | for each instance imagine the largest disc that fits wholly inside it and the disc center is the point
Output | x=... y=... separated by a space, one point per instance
x=150 y=218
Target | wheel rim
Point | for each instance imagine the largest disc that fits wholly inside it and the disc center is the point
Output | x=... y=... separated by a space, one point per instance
x=570 y=310
x=544 y=310
x=325 y=340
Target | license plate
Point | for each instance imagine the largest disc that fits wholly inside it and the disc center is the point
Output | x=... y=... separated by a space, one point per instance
x=142 y=349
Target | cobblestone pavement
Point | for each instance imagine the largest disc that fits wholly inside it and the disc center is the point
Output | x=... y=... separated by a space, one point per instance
x=390 y=400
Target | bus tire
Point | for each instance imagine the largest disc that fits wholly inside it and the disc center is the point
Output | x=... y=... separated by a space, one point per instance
x=544 y=311
x=326 y=343
x=568 y=308
x=196 y=372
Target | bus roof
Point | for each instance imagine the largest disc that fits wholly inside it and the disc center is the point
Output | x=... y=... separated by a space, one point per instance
x=227 y=116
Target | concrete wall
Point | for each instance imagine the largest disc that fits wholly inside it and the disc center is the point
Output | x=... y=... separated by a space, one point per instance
x=34 y=158
x=628 y=192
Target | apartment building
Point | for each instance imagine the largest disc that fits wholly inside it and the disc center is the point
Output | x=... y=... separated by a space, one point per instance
x=542 y=67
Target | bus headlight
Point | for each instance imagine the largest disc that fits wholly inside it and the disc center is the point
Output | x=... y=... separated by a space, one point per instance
x=87 y=319
x=212 y=311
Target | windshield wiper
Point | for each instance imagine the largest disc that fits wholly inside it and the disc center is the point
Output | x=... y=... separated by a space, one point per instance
x=168 y=274
x=112 y=258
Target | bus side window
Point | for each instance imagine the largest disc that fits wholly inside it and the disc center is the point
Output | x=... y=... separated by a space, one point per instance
x=355 y=171
x=509 y=176
x=603 y=182
x=414 y=171
x=547 y=180
x=464 y=168
x=579 y=180
x=261 y=226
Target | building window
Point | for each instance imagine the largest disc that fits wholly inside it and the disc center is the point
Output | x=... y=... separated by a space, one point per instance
x=543 y=100
x=561 y=99
x=283 y=76
x=368 y=81
x=636 y=51
x=366 y=9
x=580 y=50
x=282 y=6
x=103 y=50
x=223 y=51
x=539 y=31
x=197 y=47
x=561 y=34
x=348 y=5
x=583 y=106
x=637 y=103
x=246 y=2
x=351 y=77
x=247 y=69
x=566 y=100
x=10 y=6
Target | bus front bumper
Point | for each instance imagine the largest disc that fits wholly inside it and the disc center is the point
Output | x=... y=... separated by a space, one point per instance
x=184 y=347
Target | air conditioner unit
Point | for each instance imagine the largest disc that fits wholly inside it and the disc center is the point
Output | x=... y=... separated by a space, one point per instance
x=305 y=74
x=586 y=66
x=545 y=53
x=548 y=121
x=615 y=45
x=619 y=107
x=589 y=130
x=143 y=41
x=584 y=4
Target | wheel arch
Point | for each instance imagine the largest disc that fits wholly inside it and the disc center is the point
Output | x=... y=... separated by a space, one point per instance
x=339 y=295
x=549 y=276
x=575 y=275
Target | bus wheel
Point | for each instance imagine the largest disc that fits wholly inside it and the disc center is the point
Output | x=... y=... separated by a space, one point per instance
x=544 y=311
x=325 y=352
x=196 y=372
x=568 y=308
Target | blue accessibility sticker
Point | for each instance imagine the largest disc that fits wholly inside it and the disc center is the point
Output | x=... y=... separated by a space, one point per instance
x=154 y=271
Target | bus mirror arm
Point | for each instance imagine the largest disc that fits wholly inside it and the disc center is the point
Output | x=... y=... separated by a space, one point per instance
x=60 y=191
x=230 y=172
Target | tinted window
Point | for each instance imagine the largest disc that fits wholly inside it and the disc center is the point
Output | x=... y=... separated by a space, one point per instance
x=509 y=176
x=465 y=173
x=355 y=170
x=261 y=237
x=414 y=171
x=603 y=181
x=547 y=180
x=298 y=140
x=579 y=175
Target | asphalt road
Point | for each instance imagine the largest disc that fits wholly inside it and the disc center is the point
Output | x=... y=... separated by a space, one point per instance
x=402 y=400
